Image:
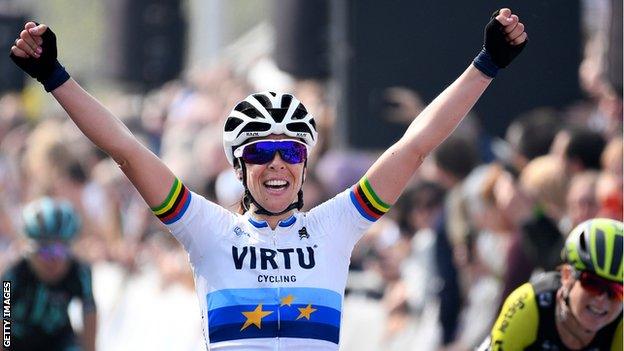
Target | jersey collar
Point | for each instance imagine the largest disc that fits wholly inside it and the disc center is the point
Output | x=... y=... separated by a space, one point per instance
x=260 y=223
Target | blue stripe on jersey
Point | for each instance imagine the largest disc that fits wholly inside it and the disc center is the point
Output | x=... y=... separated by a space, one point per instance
x=280 y=312
x=256 y=224
x=288 y=222
x=359 y=207
x=308 y=330
x=273 y=296
x=182 y=211
x=234 y=314
x=322 y=314
x=263 y=224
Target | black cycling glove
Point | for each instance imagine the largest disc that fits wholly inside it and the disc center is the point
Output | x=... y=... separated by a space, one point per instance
x=46 y=69
x=496 y=52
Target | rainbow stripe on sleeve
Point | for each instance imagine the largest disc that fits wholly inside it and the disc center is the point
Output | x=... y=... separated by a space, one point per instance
x=367 y=202
x=174 y=206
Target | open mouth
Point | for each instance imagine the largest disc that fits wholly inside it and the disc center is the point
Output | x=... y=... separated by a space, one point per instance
x=276 y=184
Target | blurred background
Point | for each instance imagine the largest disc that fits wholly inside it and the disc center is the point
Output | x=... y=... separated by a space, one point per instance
x=540 y=153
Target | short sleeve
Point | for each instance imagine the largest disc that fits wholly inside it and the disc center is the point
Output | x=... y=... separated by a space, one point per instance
x=347 y=216
x=516 y=326
x=194 y=221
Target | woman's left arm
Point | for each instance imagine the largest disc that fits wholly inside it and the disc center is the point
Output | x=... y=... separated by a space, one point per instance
x=504 y=39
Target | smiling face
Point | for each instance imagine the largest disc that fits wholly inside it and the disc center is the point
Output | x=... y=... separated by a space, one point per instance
x=275 y=185
x=593 y=312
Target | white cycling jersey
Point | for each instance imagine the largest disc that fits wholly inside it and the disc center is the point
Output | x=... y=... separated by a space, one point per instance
x=264 y=289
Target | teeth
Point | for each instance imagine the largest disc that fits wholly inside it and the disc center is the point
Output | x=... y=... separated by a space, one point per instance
x=276 y=183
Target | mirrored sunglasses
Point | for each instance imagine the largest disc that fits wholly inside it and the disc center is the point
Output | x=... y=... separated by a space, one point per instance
x=596 y=285
x=263 y=151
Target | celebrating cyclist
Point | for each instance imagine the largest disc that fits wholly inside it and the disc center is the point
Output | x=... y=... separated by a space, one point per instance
x=271 y=277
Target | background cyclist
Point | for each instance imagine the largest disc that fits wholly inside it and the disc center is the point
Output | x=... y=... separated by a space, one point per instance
x=577 y=308
x=47 y=279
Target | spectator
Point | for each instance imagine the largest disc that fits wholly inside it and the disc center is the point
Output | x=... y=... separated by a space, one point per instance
x=582 y=202
x=582 y=150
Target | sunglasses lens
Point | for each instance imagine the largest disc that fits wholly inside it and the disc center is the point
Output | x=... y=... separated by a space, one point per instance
x=293 y=152
x=596 y=286
x=258 y=154
x=264 y=151
x=53 y=251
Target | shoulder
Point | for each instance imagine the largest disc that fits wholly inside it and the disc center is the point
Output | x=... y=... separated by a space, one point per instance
x=15 y=270
x=344 y=207
x=545 y=286
x=79 y=266
x=517 y=324
x=79 y=273
x=547 y=281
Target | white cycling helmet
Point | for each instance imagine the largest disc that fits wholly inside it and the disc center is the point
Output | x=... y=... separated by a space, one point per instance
x=266 y=113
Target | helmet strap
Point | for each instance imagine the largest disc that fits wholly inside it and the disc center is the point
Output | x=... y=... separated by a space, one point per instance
x=249 y=199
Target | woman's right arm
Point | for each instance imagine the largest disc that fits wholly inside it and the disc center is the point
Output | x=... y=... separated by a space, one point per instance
x=35 y=53
x=146 y=171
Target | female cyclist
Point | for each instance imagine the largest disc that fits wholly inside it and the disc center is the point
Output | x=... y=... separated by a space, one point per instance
x=271 y=278
x=578 y=308
x=44 y=282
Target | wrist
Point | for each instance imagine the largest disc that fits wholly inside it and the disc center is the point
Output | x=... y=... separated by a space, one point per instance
x=56 y=78
x=484 y=63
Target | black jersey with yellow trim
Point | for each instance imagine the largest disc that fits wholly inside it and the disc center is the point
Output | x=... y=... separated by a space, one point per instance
x=527 y=321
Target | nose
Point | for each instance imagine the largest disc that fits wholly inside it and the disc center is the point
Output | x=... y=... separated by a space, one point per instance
x=277 y=162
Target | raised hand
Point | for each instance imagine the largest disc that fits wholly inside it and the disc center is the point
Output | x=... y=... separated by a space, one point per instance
x=513 y=28
x=504 y=39
x=29 y=42
x=35 y=53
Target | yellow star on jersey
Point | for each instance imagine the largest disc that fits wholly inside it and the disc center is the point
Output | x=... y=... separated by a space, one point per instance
x=306 y=312
x=255 y=317
x=286 y=301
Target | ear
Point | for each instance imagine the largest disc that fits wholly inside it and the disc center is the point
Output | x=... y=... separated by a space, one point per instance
x=567 y=277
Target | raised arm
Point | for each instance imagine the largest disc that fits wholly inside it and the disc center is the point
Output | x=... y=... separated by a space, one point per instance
x=35 y=52
x=504 y=39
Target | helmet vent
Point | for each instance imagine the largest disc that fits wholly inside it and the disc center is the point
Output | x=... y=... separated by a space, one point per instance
x=41 y=228
x=300 y=113
x=242 y=106
x=278 y=114
x=263 y=100
x=601 y=247
x=255 y=127
x=300 y=127
x=58 y=220
x=232 y=123
x=582 y=242
x=248 y=110
x=286 y=99
x=616 y=261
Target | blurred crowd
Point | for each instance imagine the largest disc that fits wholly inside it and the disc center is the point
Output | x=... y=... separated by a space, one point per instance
x=475 y=222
